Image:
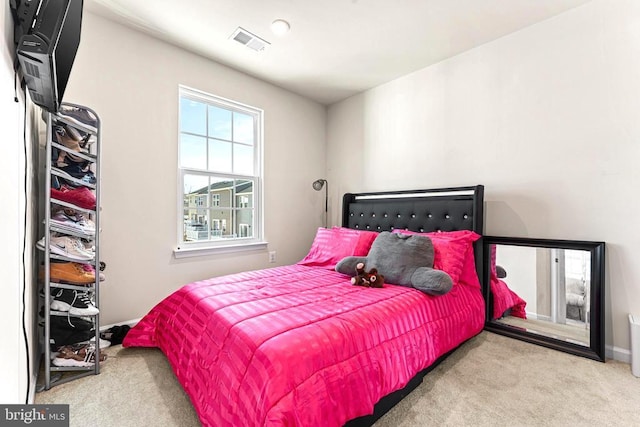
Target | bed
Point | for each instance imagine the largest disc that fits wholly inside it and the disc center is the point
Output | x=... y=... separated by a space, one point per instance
x=298 y=345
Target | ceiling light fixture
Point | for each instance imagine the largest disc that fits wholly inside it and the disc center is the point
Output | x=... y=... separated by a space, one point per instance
x=248 y=39
x=280 y=27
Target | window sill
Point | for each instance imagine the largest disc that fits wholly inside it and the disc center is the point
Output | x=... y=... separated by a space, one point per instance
x=213 y=250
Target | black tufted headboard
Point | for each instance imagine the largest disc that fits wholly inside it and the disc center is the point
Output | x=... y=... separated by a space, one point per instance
x=440 y=209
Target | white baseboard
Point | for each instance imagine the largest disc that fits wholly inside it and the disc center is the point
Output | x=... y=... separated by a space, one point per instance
x=126 y=322
x=617 y=353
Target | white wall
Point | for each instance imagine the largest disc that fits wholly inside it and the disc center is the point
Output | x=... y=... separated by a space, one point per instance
x=546 y=118
x=131 y=81
x=520 y=264
x=16 y=203
x=12 y=349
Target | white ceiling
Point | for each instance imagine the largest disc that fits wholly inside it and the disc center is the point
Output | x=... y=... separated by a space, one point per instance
x=336 y=48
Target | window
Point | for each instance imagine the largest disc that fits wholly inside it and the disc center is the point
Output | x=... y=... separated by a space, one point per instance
x=243 y=201
x=219 y=164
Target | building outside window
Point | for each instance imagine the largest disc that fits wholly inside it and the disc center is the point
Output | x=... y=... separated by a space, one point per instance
x=219 y=165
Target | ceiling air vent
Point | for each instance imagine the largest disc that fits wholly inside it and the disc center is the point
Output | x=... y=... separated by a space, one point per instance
x=251 y=41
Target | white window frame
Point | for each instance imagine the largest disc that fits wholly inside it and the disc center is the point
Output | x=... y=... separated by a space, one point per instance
x=188 y=248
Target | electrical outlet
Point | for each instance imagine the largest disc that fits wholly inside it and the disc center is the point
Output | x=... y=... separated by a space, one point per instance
x=272 y=256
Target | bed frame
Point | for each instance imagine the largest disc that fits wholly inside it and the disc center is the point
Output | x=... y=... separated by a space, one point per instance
x=442 y=209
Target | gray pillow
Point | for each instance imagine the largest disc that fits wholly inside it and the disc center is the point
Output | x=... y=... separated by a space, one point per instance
x=405 y=260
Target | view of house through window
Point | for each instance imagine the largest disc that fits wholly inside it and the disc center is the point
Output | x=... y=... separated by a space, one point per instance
x=219 y=164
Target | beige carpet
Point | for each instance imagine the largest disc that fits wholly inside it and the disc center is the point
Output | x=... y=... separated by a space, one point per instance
x=490 y=381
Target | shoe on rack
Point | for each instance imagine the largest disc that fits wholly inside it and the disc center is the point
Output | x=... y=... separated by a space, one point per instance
x=71 y=323
x=68 y=272
x=67 y=330
x=81 y=196
x=67 y=246
x=77 y=355
x=55 y=182
x=82 y=225
x=87 y=178
x=70 y=138
x=74 y=222
x=79 y=116
x=74 y=170
x=103 y=343
x=75 y=302
x=89 y=245
x=68 y=224
x=89 y=269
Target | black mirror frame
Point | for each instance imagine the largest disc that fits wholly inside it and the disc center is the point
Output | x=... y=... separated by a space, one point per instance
x=596 y=348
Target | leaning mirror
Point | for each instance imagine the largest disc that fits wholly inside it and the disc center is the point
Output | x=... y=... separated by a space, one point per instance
x=548 y=292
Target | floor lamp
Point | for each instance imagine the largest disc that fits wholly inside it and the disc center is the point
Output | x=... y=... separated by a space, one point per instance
x=317 y=185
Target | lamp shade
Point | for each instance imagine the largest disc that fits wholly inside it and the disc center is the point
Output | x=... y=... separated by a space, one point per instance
x=318 y=184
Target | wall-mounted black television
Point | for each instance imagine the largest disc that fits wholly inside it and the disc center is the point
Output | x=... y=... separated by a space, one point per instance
x=47 y=51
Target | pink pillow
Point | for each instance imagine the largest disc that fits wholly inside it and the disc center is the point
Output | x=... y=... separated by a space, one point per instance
x=331 y=245
x=365 y=240
x=469 y=275
x=451 y=249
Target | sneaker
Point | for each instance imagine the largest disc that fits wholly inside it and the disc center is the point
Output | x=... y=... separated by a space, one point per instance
x=78 y=217
x=89 y=269
x=81 y=196
x=115 y=334
x=66 y=330
x=103 y=343
x=83 y=355
x=69 y=172
x=75 y=302
x=70 y=224
x=67 y=246
x=73 y=221
x=73 y=133
x=89 y=245
x=69 y=138
x=68 y=272
x=79 y=116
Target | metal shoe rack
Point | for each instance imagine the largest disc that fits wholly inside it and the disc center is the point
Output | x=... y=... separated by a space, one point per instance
x=55 y=375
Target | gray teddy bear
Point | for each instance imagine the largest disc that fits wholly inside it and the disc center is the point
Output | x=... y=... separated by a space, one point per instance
x=405 y=260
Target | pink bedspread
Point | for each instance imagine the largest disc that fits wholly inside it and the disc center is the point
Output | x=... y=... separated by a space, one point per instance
x=301 y=346
x=505 y=299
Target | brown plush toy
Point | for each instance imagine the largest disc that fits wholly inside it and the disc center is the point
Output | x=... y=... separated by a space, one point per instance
x=370 y=280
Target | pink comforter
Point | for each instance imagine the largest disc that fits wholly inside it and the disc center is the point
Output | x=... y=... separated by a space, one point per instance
x=300 y=346
x=505 y=299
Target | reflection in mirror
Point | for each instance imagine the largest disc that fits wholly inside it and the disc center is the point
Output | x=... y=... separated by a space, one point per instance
x=547 y=291
x=553 y=285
